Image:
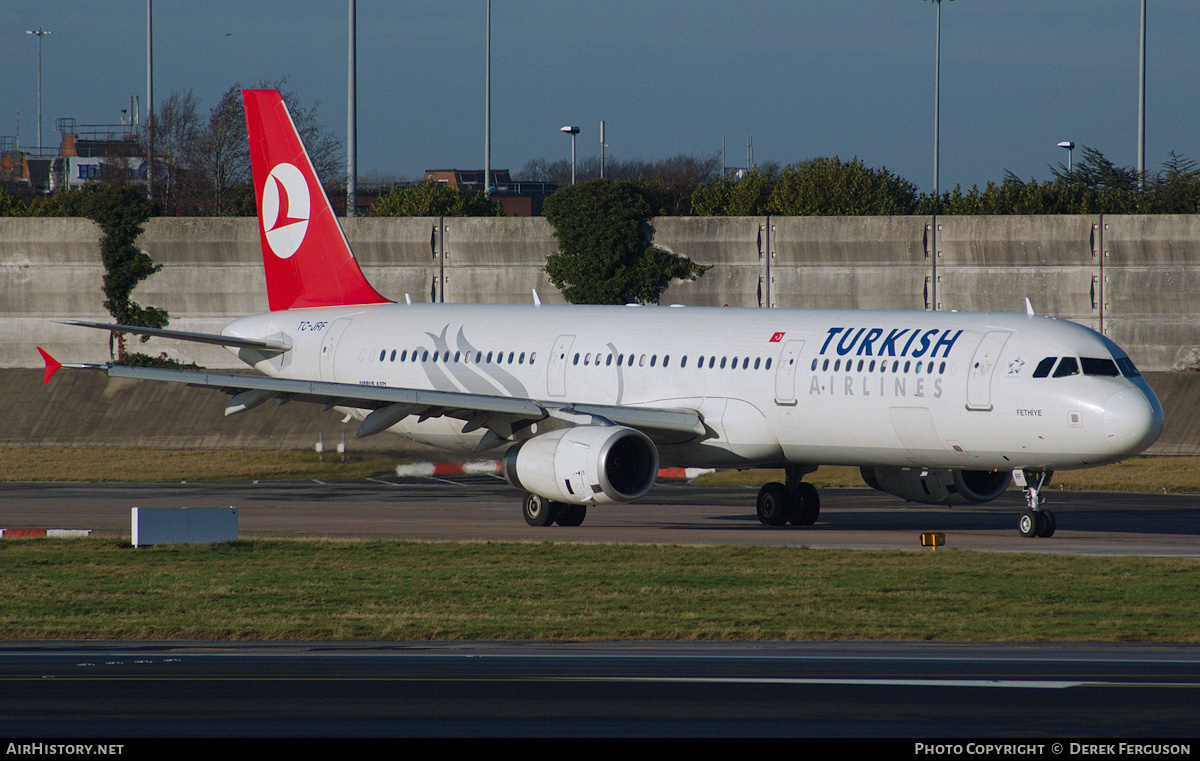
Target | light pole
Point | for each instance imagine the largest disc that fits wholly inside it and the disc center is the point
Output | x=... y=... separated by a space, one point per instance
x=352 y=113
x=487 y=105
x=572 y=131
x=150 y=126
x=1070 y=152
x=937 y=91
x=1141 y=167
x=40 y=33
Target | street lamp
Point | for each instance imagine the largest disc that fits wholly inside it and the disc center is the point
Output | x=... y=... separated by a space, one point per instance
x=1141 y=166
x=40 y=33
x=937 y=94
x=1070 y=152
x=572 y=131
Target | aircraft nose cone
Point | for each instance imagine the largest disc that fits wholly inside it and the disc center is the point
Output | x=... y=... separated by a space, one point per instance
x=1132 y=420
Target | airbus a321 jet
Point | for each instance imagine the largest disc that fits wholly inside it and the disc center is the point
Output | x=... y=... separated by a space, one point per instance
x=583 y=404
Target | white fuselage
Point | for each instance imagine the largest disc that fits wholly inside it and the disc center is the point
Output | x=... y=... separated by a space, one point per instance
x=774 y=386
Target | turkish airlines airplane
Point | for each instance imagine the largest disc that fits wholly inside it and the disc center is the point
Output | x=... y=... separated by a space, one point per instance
x=585 y=403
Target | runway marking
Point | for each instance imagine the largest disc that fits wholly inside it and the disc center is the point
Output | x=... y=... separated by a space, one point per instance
x=1024 y=684
x=1004 y=683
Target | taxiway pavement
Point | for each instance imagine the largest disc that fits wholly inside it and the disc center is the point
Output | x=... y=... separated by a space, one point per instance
x=674 y=512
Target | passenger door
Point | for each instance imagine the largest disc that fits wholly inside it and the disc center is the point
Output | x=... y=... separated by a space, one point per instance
x=979 y=374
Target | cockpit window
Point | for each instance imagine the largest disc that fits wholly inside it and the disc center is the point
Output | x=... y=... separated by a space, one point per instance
x=1066 y=366
x=1127 y=368
x=1043 y=368
x=1099 y=366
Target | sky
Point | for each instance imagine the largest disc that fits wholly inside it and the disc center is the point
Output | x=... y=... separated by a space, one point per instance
x=853 y=78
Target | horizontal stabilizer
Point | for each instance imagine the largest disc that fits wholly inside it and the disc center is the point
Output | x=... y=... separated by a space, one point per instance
x=181 y=335
x=53 y=365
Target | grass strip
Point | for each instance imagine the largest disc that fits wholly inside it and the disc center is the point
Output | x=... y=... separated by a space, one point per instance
x=1140 y=474
x=356 y=590
x=22 y=464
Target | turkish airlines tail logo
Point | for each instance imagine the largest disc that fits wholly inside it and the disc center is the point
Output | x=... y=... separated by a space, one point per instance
x=285 y=209
x=306 y=258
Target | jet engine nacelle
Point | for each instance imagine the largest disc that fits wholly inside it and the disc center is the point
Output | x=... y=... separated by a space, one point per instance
x=585 y=465
x=939 y=487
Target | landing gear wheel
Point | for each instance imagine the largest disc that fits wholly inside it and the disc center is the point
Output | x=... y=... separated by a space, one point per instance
x=538 y=510
x=807 y=504
x=1047 y=525
x=570 y=515
x=775 y=504
x=1027 y=524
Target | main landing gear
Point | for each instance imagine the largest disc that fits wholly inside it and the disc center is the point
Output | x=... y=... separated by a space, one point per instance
x=796 y=502
x=1034 y=521
x=540 y=511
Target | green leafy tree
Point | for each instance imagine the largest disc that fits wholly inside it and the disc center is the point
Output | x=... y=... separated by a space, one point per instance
x=832 y=187
x=818 y=187
x=119 y=211
x=1094 y=186
x=430 y=198
x=1015 y=196
x=604 y=255
x=13 y=205
x=737 y=196
x=1176 y=190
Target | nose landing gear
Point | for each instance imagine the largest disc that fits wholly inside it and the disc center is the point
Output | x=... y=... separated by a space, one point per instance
x=1034 y=521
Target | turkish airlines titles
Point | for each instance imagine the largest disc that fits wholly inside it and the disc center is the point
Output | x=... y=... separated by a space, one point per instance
x=909 y=379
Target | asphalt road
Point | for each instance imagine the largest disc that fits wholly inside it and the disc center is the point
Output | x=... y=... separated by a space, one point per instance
x=1045 y=697
x=484 y=507
x=1040 y=694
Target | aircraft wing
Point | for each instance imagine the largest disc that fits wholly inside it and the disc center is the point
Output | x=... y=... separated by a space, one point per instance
x=388 y=405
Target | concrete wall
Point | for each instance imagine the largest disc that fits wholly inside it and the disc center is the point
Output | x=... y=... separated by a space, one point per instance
x=992 y=263
x=89 y=409
x=849 y=262
x=736 y=247
x=1135 y=278
x=497 y=260
x=1150 y=285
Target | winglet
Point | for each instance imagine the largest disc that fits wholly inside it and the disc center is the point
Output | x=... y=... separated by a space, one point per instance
x=52 y=365
x=1028 y=308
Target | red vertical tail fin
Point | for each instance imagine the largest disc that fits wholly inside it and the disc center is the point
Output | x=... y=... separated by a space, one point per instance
x=307 y=259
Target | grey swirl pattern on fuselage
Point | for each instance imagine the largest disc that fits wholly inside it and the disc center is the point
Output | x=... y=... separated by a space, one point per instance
x=466 y=374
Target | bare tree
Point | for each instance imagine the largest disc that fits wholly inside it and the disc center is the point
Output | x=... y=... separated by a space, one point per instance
x=176 y=130
x=208 y=163
x=222 y=157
